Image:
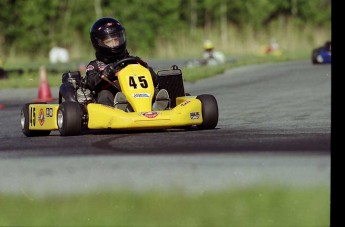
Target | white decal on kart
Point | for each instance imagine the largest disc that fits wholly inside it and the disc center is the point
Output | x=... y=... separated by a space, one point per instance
x=49 y=112
x=194 y=115
x=141 y=95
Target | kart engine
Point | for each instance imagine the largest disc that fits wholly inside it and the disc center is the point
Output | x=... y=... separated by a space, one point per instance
x=83 y=95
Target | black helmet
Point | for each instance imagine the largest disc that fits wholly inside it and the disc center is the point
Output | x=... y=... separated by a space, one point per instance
x=108 y=38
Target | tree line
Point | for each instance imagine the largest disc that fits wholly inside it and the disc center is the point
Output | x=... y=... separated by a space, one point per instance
x=34 y=26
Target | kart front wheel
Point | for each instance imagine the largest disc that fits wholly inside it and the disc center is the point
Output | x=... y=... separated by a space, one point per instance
x=25 y=121
x=69 y=118
x=209 y=111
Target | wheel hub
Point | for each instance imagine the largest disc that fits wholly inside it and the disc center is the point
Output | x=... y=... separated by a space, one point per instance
x=60 y=119
x=22 y=120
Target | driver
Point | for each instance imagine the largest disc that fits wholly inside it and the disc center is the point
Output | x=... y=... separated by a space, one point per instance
x=109 y=41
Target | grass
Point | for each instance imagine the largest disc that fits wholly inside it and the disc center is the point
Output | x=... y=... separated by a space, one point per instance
x=197 y=73
x=234 y=41
x=252 y=206
x=30 y=78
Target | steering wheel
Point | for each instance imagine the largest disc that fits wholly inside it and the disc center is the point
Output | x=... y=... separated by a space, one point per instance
x=121 y=64
x=130 y=60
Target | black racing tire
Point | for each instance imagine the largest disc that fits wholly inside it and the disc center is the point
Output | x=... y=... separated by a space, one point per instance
x=25 y=120
x=69 y=118
x=209 y=111
x=314 y=57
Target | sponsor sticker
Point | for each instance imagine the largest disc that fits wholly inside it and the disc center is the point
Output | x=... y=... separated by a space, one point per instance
x=90 y=67
x=41 y=118
x=49 y=112
x=141 y=95
x=194 y=115
x=149 y=114
x=185 y=103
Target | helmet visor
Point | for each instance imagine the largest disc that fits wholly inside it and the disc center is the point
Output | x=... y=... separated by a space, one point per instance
x=113 y=40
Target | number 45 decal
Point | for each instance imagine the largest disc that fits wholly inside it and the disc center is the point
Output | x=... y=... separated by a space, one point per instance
x=142 y=82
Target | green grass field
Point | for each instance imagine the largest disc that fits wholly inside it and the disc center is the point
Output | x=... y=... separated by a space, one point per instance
x=252 y=206
x=31 y=79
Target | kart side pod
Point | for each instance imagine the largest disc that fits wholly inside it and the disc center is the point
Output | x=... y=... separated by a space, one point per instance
x=172 y=81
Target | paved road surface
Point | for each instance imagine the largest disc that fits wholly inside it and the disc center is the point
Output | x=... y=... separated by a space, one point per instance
x=274 y=127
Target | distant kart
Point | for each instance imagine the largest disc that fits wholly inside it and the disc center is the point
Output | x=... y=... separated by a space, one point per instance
x=322 y=55
x=136 y=85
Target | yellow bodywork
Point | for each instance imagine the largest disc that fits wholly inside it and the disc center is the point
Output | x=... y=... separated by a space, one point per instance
x=43 y=116
x=136 y=83
x=186 y=113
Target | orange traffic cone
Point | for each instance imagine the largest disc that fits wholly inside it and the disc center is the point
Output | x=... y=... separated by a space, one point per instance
x=44 y=94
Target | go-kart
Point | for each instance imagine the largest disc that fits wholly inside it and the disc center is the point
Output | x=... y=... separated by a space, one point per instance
x=322 y=55
x=74 y=117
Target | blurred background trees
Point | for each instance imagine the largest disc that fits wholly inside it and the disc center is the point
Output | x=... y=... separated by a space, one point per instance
x=158 y=28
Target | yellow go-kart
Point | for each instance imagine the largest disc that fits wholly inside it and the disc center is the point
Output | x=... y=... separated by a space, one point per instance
x=136 y=85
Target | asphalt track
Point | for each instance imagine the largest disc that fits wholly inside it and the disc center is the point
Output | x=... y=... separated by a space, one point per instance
x=274 y=127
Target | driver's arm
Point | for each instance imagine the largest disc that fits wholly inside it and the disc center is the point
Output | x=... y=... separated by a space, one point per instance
x=94 y=72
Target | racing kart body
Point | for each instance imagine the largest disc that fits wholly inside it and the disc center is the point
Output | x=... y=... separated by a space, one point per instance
x=135 y=81
x=322 y=55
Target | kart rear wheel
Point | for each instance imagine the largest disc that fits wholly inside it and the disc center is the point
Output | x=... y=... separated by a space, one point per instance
x=209 y=111
x=69 y=118
x=316 y=58
x=25 y=120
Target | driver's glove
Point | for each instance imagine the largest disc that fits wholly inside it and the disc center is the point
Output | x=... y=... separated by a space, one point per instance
x=109 y=71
